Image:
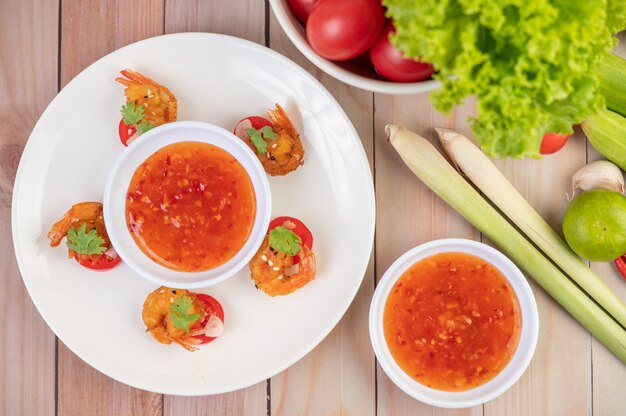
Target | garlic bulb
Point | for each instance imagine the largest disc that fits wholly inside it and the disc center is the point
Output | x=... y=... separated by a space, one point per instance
x=600 y=174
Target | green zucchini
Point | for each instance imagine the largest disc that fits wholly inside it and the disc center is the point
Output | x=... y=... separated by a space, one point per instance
x=606 y=131
x=613 y=82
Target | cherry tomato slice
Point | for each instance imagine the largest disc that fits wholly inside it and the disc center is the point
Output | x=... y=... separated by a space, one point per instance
x=300 y=229
x=252 y=121
x=102 y=263
x=126 y=132
x=212 y=306
x=620 y=263
x=552 y=143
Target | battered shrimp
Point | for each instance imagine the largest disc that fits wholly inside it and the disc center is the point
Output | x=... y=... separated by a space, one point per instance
x=285 y=152
x=277 y=273
x=89 y=213
x=157 y=315
x=160 y=105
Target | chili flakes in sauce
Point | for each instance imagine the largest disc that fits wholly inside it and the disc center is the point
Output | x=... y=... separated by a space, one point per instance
x=452 y=321
x=190 y=206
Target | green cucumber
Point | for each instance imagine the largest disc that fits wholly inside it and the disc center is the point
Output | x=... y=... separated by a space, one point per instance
x=613 y=82
x=606 y=131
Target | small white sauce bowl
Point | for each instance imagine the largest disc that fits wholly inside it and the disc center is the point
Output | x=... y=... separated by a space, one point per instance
x=509 y=374
x=347 y=72
x=116 y=189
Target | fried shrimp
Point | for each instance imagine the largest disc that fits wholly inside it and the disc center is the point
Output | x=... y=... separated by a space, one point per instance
x=277 y=273
x=179 y=316
x=87 y=239
x=160 y=105
x=280 y=152
x=88 y=213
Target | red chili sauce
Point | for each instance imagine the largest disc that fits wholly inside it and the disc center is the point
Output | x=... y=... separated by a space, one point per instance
x=452 y=321
x=190 y=206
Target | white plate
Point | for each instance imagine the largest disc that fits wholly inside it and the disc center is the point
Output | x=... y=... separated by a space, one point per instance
x=217 y=79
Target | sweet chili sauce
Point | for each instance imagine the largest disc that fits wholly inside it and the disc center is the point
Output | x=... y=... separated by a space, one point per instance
x=452 y=321
x=190 y=206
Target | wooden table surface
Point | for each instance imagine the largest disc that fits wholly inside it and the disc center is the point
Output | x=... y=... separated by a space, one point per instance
x=44 y=44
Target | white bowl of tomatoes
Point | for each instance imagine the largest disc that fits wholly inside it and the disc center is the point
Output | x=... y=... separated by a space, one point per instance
x=349 y=39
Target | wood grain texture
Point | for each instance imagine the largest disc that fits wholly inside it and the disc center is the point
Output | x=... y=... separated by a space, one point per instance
x=571 y=373
x=562 y=360
x=409 y=214
x=28 y=81
x=338 y=376
x=90 y=30
x=244 y=19
x=609 y=374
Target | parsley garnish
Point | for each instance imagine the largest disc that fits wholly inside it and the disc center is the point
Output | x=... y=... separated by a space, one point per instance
x=144 y=127
x=133 y=115
x=257 y=136
x=180 y=313
x=285 y=240
x=83 y=242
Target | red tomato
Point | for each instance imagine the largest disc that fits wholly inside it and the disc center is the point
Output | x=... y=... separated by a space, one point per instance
x=390 y=62
x=552 y=143
x=126 y=132
x=101 y=263
x=252 y=121
x=212 y=306
x=620 y=263
x=363 y=60
x=302 y=8
x=301 y=230
x=343 y=29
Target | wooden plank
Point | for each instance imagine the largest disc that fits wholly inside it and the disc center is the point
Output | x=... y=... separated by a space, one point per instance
x=244 y=19
x=337 y=377
x=410 y=214
x=91 y=29
x=28 y=81
x=561 y=364
x=609 y=375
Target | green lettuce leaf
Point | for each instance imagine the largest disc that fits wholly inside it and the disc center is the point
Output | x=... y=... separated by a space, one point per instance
x=531 y=64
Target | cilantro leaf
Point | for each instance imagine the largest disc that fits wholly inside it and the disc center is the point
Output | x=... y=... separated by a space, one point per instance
x=132 y=113
x=179 y=313
x=83 y=242
x=285 y=240
x=257 y=136
x=144 y=126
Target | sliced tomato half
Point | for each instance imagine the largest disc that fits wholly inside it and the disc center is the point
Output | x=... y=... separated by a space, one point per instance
x=126 y=132
x=212 y=307
x=299 y=228
x=101 y=262
x=248 y=122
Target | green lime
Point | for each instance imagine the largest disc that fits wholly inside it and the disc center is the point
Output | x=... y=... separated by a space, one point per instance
x=595 y=225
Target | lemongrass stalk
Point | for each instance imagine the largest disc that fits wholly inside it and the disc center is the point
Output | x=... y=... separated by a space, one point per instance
x=497 y=188
x=431 y=167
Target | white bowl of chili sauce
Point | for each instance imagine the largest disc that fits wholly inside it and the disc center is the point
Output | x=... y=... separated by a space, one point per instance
x=453 y=323
x=187 y=204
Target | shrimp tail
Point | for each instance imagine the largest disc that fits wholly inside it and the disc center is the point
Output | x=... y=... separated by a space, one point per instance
x=133 y=76
x=279 y=117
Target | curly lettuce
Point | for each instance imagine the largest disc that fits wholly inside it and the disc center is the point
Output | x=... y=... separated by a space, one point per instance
x=530 y=63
